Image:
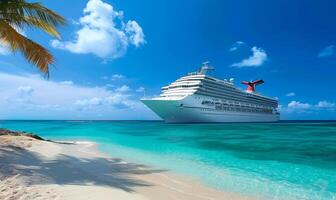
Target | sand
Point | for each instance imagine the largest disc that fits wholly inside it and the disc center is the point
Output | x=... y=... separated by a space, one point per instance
x=36 y=169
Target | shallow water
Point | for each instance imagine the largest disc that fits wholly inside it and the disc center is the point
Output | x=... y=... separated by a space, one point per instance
x=286 y=160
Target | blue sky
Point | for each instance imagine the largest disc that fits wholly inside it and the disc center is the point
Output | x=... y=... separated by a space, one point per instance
x=111 y=50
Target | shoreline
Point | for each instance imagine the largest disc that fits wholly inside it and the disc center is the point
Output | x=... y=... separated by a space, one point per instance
x=34 y=168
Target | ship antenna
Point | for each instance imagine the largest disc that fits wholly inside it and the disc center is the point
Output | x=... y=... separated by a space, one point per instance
x=205 y=68
x=206 y=64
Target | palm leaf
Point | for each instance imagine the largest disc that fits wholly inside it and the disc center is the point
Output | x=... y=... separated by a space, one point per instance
x=51 y=30
x=20 y=13
x=32 y=51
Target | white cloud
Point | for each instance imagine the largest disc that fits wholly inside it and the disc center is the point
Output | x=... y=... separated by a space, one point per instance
x=136 y=35
x=327 y=51
x=103 y=32
x=140 y=89
x=66 y=83
x=291 y=94
x=123 y=88
x=114 y=77
x=109 y=86
x=325 y=104
x=119 y=101
x=29 y=96
x=296 y=107
x=299 y=107
x=94 y=101
x=236 y=45
x=25 y=90
x=117 y=77
x=257 y=58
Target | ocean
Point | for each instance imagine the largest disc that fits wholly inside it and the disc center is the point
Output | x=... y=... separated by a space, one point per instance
x=285 y=160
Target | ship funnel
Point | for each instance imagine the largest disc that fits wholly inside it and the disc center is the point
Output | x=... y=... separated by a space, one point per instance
x=251 y=85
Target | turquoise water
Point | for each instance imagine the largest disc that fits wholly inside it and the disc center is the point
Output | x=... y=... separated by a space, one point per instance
x=286 y=160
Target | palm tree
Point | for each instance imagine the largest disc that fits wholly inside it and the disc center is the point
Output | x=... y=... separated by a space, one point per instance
x=19 y=14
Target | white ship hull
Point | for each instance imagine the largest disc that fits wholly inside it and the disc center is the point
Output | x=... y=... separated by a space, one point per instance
x=190 y=110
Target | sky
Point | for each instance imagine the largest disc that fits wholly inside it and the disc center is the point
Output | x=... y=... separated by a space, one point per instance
x=111 y=51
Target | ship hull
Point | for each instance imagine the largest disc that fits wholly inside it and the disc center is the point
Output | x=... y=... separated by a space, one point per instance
x=189 y=110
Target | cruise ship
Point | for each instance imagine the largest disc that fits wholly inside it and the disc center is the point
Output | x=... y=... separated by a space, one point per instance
x=200 y=98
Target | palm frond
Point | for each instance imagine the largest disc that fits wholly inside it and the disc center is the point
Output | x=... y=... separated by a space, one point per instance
x=20 y=13
x=51 y=30
x=33 y=52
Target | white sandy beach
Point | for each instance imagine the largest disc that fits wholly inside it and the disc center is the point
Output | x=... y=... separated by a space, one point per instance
x=36 y=169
